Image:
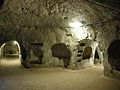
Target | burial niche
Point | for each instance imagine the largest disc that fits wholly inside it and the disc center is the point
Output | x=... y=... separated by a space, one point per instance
x=37 y=53
x=61 y=51
x=87 y=53
x=114 y=55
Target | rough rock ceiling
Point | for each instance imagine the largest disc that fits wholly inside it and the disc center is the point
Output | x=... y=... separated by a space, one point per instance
x=111 y=3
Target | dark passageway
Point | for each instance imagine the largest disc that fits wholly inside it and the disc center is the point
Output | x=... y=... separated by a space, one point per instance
x=114 y=54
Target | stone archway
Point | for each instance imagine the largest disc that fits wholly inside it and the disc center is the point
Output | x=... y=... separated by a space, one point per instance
x=11 y=48
x=10 y=53
x=114 y=55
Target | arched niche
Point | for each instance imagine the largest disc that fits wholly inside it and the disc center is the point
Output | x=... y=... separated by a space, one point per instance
x=84 y=42
x=114 y=55
x=87 y=53
x=61 y=51
x=97 y=58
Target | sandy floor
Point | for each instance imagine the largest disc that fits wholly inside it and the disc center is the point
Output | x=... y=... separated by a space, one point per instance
x=14 y=77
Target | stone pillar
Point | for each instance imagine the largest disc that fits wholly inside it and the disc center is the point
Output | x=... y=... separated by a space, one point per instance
x=73 y=59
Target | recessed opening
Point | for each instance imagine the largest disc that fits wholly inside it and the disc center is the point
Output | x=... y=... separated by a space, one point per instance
x=80 y=51
x=79 y=55
x=61 y=51
x=114 y=54
x=39 y=53
x=96 y=54
x=1 y=3
x=82 y=44
x=79 y=60
x=87 y=53
x=96 y=57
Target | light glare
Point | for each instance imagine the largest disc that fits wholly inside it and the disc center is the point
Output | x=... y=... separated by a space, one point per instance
x=80 y=33
x=15 y=42
x=75 y=24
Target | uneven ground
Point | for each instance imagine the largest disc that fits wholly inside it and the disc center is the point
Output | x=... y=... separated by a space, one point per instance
x=15 y=77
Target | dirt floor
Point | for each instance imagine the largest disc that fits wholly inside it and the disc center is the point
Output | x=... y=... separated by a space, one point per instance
x=14 y=77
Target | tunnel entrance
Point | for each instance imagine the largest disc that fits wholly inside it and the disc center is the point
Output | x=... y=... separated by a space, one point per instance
x=10 y=53
x=61 y=51
x=1 y=3
x=114 y=55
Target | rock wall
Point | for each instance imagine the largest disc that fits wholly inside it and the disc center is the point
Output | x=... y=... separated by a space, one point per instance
x=39 y=24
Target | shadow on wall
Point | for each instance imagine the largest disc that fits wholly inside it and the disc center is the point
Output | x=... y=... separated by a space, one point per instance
x=114 y=55
x=61 y=51
x=23 y=54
